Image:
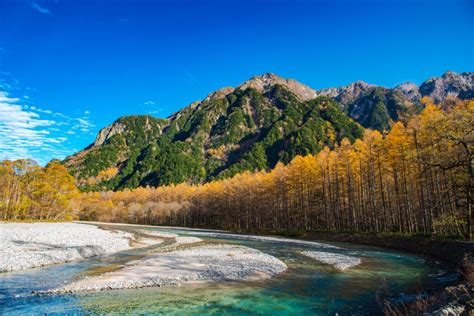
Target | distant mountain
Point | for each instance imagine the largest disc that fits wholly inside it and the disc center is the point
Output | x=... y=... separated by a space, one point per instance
x=450 y=84
x=264 y=120
x=378 y=107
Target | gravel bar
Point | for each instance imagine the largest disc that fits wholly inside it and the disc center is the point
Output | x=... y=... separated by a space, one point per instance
x=31 y=245
x=338 y=261
x=208 y=263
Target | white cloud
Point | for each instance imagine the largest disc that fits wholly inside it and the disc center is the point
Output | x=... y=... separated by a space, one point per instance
x=20 y=129
x=39 y=8
x=149 y=102
x=29 y=130
x=44 y=111
x=83 y=124
x=4 y=98
x=156 y=111
x=26 y=133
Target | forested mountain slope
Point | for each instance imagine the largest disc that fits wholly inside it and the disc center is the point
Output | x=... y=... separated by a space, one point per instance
x=265 y=120
x=245 y=129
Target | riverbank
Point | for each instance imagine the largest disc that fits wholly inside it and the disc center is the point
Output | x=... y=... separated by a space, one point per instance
x=329 y=277
x=458 y=253
x=32 y=245
x=453 y=300
x=452 y=251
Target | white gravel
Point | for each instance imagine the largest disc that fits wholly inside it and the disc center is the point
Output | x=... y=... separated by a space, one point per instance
x=186 y=240
x=266 y=239
x=338 y=261
x=30 y=245
x=179 y=240
x=209 y=263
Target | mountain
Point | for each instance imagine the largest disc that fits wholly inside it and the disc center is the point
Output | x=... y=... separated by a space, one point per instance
x=378 y=107
x=253 y=126
x=450 y=84
x=263 y=121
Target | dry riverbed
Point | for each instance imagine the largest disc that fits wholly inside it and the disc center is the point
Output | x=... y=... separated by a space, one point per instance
x=31 y=245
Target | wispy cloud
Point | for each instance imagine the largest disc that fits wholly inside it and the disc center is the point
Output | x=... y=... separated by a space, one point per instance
x=82 y=124
x=29 y=131
x=155 y=111
x=21 y=129
x=40 y=8
x=149 y=102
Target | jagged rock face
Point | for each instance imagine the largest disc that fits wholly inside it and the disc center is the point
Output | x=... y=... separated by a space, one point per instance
x=107 y=132
x=410 y=90
x=450 y=84
x=264 y=83
x=378 y=107
x=347 y=95
x=120 y=127
x=219 y=94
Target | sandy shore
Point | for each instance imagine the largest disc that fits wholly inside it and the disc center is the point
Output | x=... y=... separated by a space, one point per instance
x=30 y=245
x=338 y=261
x=208 y=263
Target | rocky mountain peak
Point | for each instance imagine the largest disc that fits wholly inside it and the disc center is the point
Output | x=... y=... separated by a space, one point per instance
x=107 y=132
x=345 y=95
x=449 y=74
x=266 y=81
x=126 y=123
x=407 y=86
x=358 y=85
x=219 y=94
x=450 y=84
x=410 y=90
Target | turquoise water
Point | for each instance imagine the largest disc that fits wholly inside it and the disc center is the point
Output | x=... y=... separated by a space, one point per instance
x=306 y=288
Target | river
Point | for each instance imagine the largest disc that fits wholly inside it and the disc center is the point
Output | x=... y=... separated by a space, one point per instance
x=306 y=288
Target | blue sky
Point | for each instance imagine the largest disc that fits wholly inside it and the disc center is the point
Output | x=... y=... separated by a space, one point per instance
x=68 y=68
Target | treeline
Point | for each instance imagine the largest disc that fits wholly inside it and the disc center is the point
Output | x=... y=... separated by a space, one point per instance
x=416 y=179
x=31 y=192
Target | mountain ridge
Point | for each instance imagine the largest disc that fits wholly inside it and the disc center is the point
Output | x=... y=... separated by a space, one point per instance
x=262 y=121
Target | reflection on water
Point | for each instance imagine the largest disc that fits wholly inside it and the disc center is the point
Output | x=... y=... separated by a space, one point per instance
x=307 y=287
